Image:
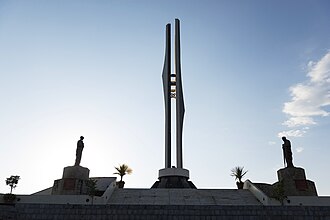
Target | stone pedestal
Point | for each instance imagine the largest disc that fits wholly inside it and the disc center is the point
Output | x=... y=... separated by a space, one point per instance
x=73 y=181
x=76 y=172
x=173 y=178
x=295 y=182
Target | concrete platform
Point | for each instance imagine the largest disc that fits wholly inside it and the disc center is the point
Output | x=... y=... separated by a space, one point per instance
x=183 y=197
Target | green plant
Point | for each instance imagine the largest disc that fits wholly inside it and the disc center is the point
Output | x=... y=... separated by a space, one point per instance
x=91 y=186
x=122 y=170
x=279 y=193
x=12 y=182
x=238 y=172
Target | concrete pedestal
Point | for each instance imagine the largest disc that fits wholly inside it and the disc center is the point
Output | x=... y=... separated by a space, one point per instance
x=173 y=178
x=173 y=172
x=295 y=182
x=76 y=172
x=73 y=181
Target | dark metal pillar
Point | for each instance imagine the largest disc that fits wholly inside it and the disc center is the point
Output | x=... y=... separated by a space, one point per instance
x=180 y=109
x=167 y=96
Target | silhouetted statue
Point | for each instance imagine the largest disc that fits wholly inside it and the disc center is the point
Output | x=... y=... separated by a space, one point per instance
x=80 y=147
x=287 y=153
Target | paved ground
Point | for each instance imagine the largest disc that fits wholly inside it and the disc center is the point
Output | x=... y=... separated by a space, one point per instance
x=183 y=197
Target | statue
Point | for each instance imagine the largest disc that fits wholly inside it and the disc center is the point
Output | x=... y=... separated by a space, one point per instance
x=287 y=153
x=80 y=147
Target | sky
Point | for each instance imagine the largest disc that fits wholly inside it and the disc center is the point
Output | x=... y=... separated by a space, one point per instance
x=252 y=72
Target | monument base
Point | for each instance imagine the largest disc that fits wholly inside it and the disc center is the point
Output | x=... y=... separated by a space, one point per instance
x=173 y=178
x=295 y=183
x=76 y=172
x=73 y=182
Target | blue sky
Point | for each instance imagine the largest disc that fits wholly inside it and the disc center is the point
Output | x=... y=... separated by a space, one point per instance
x=252 y=71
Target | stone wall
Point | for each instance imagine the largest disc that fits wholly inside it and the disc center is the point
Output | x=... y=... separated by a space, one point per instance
x=170 y=212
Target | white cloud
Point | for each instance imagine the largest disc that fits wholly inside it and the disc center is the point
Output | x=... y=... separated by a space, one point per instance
x=298 y=121
x=309 y=98
x=299 y=149
x=292 y=133
x=320 y=71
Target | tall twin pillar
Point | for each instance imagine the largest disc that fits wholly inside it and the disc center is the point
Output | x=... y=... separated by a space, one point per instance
x=171 y=176
x=172 y=85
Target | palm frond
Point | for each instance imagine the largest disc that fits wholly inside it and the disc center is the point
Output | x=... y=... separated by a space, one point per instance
x=122 y=170
x=238 y=172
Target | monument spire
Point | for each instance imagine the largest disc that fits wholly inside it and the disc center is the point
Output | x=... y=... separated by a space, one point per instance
x=173 y=89
x=173 y=177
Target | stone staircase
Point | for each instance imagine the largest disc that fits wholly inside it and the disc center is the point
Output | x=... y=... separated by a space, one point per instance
x=182 y=197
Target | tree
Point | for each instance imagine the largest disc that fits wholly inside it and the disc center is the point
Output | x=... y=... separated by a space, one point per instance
x=238 y=172
x=12 y=182
x=91 y=186
x=122 y=170
x=279 y=192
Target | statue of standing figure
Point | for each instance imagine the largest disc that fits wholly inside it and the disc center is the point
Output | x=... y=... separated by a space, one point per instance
x=80 y=147
x=287 y=153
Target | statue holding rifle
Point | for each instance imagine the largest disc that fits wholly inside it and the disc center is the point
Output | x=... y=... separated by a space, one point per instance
x=287 y=153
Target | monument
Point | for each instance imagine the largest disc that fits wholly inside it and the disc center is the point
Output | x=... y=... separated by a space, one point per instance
x=74 y=178
x=171 y=176
x=293 y=178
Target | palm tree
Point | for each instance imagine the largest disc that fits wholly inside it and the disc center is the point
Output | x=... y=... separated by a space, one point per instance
x=238 y=172
x=122 y=170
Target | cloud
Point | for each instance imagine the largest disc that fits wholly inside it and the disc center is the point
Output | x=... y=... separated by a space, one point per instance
x=299 y=149
x=320 y=71
x=298 y=121
x=309 y=99
x=292 y=133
